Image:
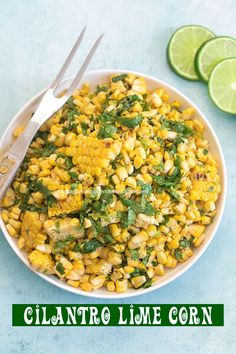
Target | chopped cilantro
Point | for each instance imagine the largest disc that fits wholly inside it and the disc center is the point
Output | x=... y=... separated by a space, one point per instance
x=60 y=268
x=106 y=131
x=182 y=129
x=74 y=175
x=128 y=218
x=178 y=254
x=168 y=183
x=101 y=88
x=134 y=254
x=60 y=245
x=205 y=151
x=84 y=127
x=91 y=246
x=127 y=102
x=146 y=188
x=120 y=77
x=131 y=122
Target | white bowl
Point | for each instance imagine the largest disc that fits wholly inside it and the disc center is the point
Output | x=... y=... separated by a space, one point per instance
x=100 y=77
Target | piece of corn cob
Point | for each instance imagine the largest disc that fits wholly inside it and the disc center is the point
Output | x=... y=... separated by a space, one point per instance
x=70 y=204
x=41 y=261
x=91 y=155
x=59 y=229
x=32 y=229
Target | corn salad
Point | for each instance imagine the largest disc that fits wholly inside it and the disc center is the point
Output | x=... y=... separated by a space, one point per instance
x=116 y=187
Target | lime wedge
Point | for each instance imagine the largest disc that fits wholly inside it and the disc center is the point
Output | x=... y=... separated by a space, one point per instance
x=182 y=48
x=211 y=53
x=222 y=85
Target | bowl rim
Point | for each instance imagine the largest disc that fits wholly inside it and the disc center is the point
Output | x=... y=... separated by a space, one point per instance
x=192 y=260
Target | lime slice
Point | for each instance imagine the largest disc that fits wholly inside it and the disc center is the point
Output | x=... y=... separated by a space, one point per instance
x=222 y=85
x=182 y=48
x=211 y=53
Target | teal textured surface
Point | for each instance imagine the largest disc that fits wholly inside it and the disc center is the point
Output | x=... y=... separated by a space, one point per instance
x=35 y=39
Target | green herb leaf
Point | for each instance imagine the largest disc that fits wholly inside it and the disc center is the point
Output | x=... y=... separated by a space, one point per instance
x=120 y=77
x=146 y=188
x=102 y=88
x=62 y=244
x=84 y=127
x=178 y=254
x=91 y=246
x=74 y=175
x=106 y=131
x=128 y=218
x=169 y=183
x=131 y=122
x=134 y=254
x=127 y=102
x=60 y=268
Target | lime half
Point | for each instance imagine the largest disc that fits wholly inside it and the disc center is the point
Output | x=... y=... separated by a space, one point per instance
x=182 y=49
x=211 y=53
x=222 y=85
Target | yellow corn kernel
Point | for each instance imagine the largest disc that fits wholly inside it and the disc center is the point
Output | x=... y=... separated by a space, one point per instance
x=120 y=187
x=21 y=243
x=45 y=172
x=198 y=126
x=138 y=162
x=161 y=257
x=34 y=169
x=16 y=224
x=131 y=182
x=173 y=244
x=121 y=286
x=114 y=258
x=129 y=141
x=45 y=248
x=74 y=283
x=114 y=229
x=60 y=194
x=86 y=286
x=159 y=269
x=111 y=286
x=115 y=179
x=138 y=281
x=206 y=220
x=64 y=176
x=139 y=85
x=98 y=281
x=87 y=223
x=136 y=241
x=129 y=269
x=151 y=273
x=101 y=267
x=209 y=206
x=156 y=99
x=41 y=261
x=168 y=263
x=122 y=174
x=11 y=230
x=9 y=198
x=151 y=230
x=199 y=240
x=5 y=215
x=119 y=206
x=196 y=230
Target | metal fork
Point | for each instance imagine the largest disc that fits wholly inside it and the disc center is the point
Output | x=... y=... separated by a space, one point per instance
x=12 y=158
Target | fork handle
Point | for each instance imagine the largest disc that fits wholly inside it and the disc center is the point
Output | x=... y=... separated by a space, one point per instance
x=12 y=158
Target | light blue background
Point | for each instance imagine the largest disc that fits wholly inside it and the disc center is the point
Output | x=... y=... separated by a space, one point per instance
x=35 y=38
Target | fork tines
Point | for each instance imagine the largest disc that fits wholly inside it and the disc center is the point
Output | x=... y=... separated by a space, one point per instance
x=83 y=68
